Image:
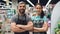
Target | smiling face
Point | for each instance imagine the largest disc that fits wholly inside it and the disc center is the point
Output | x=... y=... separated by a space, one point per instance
x=21 y=8
x=38 y=8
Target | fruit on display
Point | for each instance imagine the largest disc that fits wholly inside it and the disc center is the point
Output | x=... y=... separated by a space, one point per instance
x=59 y=24
x=57 y=29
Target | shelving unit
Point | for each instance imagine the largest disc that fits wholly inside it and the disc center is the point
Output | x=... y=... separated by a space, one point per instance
x=5 y=16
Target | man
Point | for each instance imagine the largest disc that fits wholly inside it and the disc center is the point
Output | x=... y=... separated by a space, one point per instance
x=21 y=23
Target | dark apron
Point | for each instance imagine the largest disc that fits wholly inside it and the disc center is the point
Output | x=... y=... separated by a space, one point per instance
x=22 y=22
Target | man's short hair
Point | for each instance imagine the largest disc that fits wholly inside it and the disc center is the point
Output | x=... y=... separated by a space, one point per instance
x=22 y=2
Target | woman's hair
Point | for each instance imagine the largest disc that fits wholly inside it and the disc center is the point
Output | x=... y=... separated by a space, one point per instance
x=42 y=13
x=38 y=4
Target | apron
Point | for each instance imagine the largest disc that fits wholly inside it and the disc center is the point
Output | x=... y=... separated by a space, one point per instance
x=22 y=22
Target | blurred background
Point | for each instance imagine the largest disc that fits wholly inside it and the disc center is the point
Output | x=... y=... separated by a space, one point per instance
x=8 y=9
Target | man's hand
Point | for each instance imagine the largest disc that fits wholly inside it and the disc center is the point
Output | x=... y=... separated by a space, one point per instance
x=24 y=27
x=21 y=26
x=14 y=28
x=29 y=26
x=17 y=29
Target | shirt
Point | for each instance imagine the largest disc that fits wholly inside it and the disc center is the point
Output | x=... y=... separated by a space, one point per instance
x=23 y=20
x=38 y=22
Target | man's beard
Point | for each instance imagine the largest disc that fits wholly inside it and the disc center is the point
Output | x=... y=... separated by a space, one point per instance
x=22 y=11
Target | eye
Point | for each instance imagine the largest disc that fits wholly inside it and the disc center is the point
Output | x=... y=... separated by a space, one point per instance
x=23 y=6
x=38 y=8
x=20 y=6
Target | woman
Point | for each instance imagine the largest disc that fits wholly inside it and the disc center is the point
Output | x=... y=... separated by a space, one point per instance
x=39 y=21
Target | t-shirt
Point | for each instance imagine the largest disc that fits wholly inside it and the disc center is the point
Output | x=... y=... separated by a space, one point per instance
x=38 y=22
x=23 y=20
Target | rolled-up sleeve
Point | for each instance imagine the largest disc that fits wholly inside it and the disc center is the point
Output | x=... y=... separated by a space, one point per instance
x=13 y=19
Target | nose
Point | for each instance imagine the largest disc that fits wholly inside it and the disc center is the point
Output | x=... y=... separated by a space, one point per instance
x=22 y=7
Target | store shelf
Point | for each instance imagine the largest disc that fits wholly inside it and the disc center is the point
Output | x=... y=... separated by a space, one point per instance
x=4 y=9
x=5 y=16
